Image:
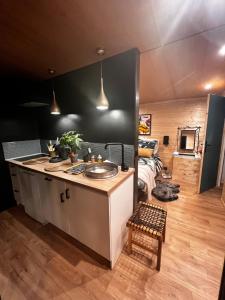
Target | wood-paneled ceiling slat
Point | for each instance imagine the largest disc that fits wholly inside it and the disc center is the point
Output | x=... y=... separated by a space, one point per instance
x=182 y=34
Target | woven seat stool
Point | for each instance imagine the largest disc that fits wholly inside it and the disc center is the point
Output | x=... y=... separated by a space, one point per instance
x=150 y=220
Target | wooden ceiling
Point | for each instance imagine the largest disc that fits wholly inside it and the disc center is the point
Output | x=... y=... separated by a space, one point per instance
x=191 y=34
x=178 y=39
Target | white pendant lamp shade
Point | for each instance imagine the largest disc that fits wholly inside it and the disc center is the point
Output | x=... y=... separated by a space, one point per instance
x=102 y=101
x=55 y=110
x=54 y=107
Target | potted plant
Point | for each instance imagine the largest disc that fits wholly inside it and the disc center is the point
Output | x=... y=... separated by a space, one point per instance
x=70 y=141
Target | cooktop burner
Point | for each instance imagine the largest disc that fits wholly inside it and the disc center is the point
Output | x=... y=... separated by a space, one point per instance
x=24 y=158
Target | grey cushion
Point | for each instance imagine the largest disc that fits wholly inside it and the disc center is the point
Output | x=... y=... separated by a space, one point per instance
x=165 y=191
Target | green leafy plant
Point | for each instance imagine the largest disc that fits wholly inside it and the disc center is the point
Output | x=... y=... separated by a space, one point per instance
x=70 y=140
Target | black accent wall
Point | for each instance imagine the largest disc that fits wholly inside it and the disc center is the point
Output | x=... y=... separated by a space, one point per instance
x=77 y=92
x=18 y=126
x=14 y=126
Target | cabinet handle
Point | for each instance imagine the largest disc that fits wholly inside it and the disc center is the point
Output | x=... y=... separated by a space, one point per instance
x=67 y=194
x=16 y=191
x=13 y=174
x=48 y=179
x=62 y=197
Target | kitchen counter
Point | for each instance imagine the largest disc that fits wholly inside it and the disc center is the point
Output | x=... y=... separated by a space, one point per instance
x=104 y=185
x=93 y=212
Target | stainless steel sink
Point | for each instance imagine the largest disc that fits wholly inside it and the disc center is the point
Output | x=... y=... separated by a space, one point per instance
x=101 y=170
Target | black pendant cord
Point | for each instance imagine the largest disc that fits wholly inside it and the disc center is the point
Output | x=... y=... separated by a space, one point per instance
x=101 y=69
x=52 y=81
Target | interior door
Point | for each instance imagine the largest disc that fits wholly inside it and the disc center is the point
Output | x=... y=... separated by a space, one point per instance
x=213 y=140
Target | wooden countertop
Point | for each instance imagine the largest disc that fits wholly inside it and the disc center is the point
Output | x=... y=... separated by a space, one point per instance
x=104 y=185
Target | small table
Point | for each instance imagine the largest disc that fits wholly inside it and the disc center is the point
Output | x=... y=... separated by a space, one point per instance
x=149 y=219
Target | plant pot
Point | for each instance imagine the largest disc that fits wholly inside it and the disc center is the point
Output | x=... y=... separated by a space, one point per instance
x=73 y=157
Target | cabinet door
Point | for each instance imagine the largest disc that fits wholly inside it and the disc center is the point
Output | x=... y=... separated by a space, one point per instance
x=29 y=189
x=88 y=214
x=53 y=195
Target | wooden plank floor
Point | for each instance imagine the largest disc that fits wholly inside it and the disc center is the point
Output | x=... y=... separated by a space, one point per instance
x=36 y=262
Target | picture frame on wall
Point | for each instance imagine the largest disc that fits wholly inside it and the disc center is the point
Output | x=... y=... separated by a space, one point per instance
x=145 y=122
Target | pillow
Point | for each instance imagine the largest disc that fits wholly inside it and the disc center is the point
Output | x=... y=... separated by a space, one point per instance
x=147 y=144
x=145 y=152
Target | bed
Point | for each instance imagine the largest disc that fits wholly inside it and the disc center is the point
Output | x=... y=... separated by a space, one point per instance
x=149 y=165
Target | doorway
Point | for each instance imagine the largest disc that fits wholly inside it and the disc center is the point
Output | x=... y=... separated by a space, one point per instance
x=221 y=169
x=213 y=141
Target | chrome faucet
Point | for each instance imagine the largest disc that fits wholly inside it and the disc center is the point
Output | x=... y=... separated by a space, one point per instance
x=124 y=167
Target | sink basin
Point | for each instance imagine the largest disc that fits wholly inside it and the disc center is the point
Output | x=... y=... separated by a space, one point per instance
x=36 y=161
x=101 y=170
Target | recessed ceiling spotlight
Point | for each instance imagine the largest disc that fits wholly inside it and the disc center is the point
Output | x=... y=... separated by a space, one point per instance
x=51 y=71
x=100 y=51
x=208 y=86
x=222 y=51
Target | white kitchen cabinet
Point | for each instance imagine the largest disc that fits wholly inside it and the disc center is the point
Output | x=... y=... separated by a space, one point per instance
x=98 y=220
x=30 y=194
x=81 y=212
x=88 y=218
x=94 y=217
x=55 y=207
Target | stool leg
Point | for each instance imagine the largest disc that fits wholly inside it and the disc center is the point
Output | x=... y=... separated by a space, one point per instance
x=164 y=232
x=130 y=241
x=159 y=254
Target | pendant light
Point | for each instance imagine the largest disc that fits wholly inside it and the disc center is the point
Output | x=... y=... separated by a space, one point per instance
x=102 y=101
x=55 y=110
x=54 y=106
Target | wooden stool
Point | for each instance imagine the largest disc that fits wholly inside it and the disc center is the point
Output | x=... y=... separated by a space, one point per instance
x=150 y=220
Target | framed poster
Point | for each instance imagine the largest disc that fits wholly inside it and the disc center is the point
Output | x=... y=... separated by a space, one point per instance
x=144 y=127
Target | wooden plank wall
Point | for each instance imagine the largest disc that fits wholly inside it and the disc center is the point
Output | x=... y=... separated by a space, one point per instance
x=167 y=116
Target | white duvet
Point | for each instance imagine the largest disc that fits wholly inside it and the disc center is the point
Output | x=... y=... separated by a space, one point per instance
x=147 y=174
